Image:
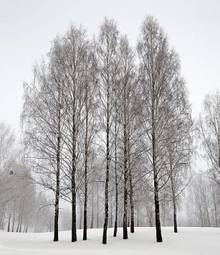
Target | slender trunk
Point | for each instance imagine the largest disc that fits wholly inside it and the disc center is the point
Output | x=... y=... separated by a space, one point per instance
x=116 y=213
x=13 y=223
x=73 y=232
x=156 y=189
x=57 y=191
x=131 y=203
x=131 y=192
x=174 y=216
x=86 y=166
x=116 y=198
x=125 y=219
x=17 y=227
x=80 y=216
x=157 y=212
x=116 y=174
x=174 y=203
x=111 y=215
x=9 y=223
x=21 y=222
x=73 y=181
x=104 y=237
x=73 y=191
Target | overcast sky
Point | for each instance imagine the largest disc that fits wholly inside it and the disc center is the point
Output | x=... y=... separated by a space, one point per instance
x=28 y=26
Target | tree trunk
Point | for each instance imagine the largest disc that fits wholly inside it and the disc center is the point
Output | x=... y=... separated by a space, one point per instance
x=104 y=237
x=73 y=181
x=80 y=217
x=116 y=175
x=57 y=191
x=73 y=231
x=116 y=198
x=9 y=223
x=86 y=170
x=132 y=205
x=157 y=213
x=17 y=228
x=174 y=203
x=125 y=218
x=131 y=193
x=116 y=212
x=13 y=223
x=156 y=190
x=174 y=216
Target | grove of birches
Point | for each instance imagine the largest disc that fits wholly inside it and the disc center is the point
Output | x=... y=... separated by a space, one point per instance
x=108 y=140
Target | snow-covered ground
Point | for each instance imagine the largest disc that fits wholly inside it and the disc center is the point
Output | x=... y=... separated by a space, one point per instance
x=195 y=241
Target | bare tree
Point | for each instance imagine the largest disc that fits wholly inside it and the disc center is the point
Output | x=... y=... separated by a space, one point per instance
x=116 y=179
x=107 y=61
x=209 y=126
x=179 y=145
x=42 y=129
x=74 y=60
x=90 y=109
x=127 y=74
x=157 y=70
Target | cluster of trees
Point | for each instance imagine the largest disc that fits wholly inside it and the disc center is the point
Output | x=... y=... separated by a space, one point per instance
x=203 y=197
x=107 y=128
x=20 y=203
x=205 y=187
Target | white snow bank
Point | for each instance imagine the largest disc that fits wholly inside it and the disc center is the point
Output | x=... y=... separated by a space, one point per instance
x=201 y=241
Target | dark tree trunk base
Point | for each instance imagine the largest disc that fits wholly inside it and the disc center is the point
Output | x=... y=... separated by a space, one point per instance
x=115 y=230
x=159 y=236
x=132 y=227
x=125 y=231
x=175 y=224
x=104 y=237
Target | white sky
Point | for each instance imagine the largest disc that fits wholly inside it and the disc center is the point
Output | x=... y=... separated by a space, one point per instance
x=28 y=26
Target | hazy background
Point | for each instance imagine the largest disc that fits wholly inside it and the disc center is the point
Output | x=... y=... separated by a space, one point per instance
x=28 y=26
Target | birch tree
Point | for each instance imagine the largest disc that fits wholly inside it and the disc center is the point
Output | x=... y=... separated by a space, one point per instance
x=127 y=75
x=75 y=67
x=158 y=65
x=107 y=64
x=179 y=145
x=209 y=127
x=42 y=129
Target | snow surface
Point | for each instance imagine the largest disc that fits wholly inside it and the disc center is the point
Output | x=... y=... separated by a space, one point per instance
x=201 y=241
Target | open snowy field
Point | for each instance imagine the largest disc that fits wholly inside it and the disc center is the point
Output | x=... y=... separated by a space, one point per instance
x=188 y=241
